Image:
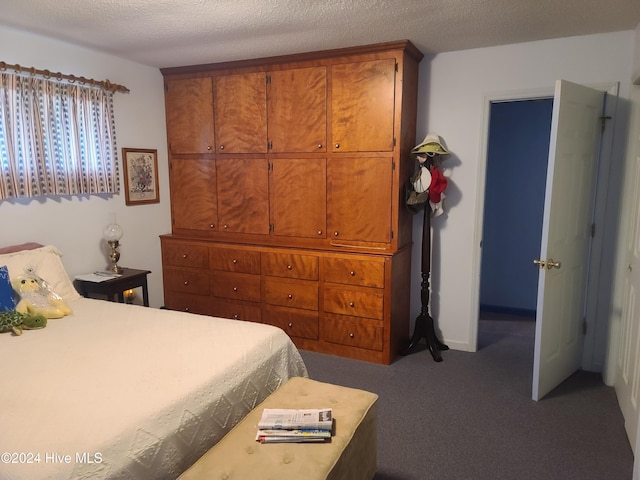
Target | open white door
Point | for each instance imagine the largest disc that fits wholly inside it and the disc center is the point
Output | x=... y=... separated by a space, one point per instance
x=627 y=361
x=566 y=234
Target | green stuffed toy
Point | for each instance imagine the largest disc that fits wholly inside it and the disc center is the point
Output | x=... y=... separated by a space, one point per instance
x=12 y=321
x=36 y=300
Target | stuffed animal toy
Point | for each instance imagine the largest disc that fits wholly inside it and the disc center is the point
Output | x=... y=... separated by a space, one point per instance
x=12 y=321
x=36 y=300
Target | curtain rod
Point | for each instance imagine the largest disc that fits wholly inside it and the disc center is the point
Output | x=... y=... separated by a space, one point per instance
x=106 y=84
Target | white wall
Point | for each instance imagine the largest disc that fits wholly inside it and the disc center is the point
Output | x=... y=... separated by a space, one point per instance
x=75 y=224
x=454 y=92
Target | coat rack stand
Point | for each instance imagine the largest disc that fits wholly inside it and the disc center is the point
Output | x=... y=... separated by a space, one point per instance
x=424 y=326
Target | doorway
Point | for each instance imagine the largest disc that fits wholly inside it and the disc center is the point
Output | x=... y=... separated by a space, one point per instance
x=517 y=155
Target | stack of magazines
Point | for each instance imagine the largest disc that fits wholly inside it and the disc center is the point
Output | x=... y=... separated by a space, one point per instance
x=295 y=426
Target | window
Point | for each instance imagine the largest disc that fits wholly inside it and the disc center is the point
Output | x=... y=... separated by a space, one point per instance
x=56 y=138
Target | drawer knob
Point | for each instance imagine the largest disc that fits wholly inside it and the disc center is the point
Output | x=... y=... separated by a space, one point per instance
x=225 y=226
x=186 y=282
x=337 y=145
x=208 y=147
x=221 y=147
x=319 y=232
x=235 y=316
x=290 y=325
x=351 y=335
x=186 y=309
x=184 y=255
x=335 y=234
x=319 y=145
x=235 y=261
x=289 y=267
x=352 y=273
x=235 y=289
x=289 y=296
x=212 y=226
x=351 y=304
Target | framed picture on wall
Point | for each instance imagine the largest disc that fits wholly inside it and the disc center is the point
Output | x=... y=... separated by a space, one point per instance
x=140 y=176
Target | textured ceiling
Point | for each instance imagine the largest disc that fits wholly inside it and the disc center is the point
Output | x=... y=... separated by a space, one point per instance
x=167 y=33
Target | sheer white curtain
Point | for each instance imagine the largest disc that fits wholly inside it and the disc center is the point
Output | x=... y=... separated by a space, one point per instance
x=56 y=138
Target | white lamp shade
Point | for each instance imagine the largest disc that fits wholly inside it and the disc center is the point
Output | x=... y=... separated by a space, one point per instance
x=113 y=232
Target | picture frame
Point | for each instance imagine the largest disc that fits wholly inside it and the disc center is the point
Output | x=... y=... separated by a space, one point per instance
x=140 y=176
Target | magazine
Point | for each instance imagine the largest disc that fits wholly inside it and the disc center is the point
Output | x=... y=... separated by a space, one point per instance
x=292 y=436
x=291 y=419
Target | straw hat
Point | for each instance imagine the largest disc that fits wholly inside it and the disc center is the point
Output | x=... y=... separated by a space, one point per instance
x=431 y=145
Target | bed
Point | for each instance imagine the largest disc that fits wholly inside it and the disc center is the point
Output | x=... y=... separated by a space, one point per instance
x=125 y=391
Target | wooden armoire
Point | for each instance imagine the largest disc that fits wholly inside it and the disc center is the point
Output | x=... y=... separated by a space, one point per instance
x=287 y=179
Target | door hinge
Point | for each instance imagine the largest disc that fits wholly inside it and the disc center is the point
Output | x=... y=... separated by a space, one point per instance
x=269 y=144
x=396 y=67
x=593 y=230
x=391 y=234
x=269 y=166
x=267 y=79
x=603 y=122
x=272 y=227
x=393 y=165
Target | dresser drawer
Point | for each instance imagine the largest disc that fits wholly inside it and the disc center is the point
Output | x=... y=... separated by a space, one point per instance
x=357 y=303
x=232 y=260
x=187 y=281
x=290 y=265
x=235 y=310
x=187 y=302
x=296 y=323
x=184 y=255
x=353 y=272
x=291 y=293
x=238 y=286
x=353 y=332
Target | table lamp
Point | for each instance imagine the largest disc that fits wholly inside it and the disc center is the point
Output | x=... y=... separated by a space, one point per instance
x=112 y=234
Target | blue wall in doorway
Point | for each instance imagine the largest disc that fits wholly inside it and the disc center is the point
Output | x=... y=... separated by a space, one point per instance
x=514 y=201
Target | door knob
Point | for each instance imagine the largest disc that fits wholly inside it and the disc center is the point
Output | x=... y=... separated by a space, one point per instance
x=549 y=264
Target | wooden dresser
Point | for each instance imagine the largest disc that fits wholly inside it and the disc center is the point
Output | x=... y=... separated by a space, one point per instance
x=287 y=180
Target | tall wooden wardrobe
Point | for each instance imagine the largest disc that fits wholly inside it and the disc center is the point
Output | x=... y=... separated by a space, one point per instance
x=287 y=180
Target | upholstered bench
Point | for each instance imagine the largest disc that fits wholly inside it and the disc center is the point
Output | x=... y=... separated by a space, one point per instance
x=351 y=454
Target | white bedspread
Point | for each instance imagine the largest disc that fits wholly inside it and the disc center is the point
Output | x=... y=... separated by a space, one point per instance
x=122 y=391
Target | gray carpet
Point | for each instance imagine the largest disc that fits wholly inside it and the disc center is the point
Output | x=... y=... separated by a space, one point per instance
x=471 y=416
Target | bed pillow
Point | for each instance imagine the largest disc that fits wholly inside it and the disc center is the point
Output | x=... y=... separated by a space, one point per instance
x=7 y=299
x=46 y=262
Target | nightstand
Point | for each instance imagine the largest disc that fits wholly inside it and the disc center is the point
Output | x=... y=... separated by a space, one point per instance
x=114 y=288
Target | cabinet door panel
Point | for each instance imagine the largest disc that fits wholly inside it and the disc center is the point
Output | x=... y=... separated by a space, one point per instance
x=298 y=196
x=241 y=113
x=359 y=198
x=298 y=98
x=193 y=194
x=189 y=107
x=243 y=189
x=362 y=106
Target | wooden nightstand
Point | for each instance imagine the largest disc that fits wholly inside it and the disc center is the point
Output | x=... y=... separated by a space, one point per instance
x=114 y=288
